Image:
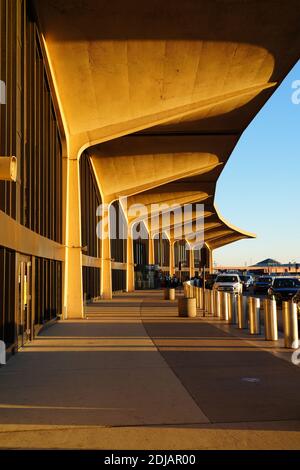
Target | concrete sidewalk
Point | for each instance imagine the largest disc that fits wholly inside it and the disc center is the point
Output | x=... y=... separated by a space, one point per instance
x=135 y=375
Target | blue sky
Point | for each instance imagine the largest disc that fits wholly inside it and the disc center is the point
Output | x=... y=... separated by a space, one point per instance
x=259 y=188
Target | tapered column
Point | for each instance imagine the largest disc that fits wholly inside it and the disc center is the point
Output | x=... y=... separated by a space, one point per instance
x=172 y=257
x=192 y=262
x=73 y=296
x=151 y=257
x=106 y=281
x=130 y=262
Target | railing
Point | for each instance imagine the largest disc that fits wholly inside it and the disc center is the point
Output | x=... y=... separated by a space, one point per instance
x=246 y=312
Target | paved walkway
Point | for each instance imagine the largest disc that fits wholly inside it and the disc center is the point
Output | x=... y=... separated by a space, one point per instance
x=135 y=375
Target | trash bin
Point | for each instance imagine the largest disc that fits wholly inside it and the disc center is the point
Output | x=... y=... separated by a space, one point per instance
x=242 y=311
x=187 y=307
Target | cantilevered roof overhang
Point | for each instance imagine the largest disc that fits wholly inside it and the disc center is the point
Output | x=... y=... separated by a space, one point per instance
x=186 y=78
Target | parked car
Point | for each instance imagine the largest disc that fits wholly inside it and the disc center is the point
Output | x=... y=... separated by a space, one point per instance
x=210 y=280
x=262 y=284
x=284 y=288
x=228 y=283
x=247 y=281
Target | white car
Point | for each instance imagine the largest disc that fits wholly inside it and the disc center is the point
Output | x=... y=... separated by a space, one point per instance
x=229 y=283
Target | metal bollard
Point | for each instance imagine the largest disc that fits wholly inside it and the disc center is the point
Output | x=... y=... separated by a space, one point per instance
x=265 y=308
x=224 y=306
x=254 y=315
x=230 y=307
x=290 y=325
x=187 y=291
x=197 y=297
x=202 y=301
x=201 y=297
x=207 y=301
x=212 y=302
x=221 y=304
x=217 y=307
x=232 y=317
x=271 y=330
x=194 y=291
x=241 y=311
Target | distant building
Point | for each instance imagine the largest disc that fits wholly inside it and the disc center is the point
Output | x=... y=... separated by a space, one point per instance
x=271 y=265
x=269 y=262
x=267 y=266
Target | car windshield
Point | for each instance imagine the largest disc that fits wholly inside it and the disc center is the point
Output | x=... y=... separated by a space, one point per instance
x=286 y=283
x=227 y=279
x=264 y=279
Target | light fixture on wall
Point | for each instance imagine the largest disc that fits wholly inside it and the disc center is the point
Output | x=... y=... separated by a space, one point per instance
x=8 y=168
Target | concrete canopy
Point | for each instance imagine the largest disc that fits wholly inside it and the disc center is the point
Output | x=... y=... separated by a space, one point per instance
x=123 y=65
x=187 y=76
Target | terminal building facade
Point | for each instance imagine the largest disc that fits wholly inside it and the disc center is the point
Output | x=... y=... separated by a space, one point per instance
x=95 y=110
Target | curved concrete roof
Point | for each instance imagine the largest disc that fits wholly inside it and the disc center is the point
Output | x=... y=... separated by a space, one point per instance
x=187 y=76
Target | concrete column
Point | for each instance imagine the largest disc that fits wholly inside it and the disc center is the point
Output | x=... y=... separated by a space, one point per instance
x=151 y=257
x=73 y=296
x=172 y=257
x=106 y=281
x=192 y=262
x=130 y=262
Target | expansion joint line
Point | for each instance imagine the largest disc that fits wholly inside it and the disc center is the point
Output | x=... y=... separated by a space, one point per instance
x=166 y=363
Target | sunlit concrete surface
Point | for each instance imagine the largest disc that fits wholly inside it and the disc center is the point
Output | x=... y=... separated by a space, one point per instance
x=138 y=87
x=132 y=374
